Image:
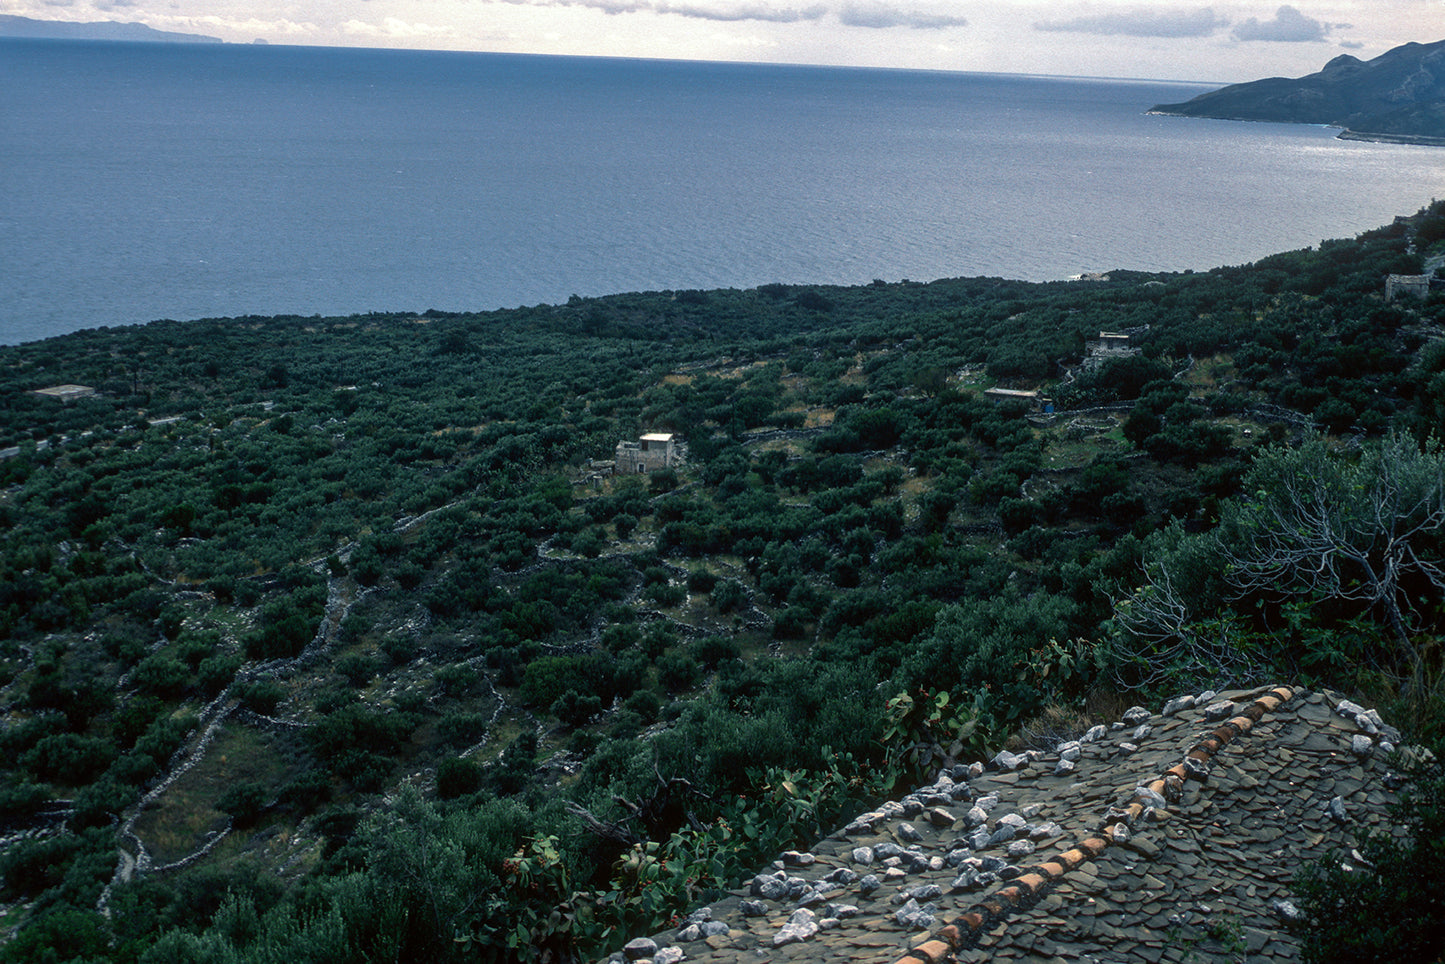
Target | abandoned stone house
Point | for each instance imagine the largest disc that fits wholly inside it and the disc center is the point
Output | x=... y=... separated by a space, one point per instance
x=1403 y=285
x=648 y=454
x=1109 y=344
x=1036 y=402
x=66 y=393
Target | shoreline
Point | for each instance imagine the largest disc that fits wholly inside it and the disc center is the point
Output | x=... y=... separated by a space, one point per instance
x=1345 y=134
x=1418 y=140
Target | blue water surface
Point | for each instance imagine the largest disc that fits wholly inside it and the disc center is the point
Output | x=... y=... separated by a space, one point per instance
x=143 y=181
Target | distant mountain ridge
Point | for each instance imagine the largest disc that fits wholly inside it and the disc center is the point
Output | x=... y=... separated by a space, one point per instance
x=1398 y=96
x=25 y=28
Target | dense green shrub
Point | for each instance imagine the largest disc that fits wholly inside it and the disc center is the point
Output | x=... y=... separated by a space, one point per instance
x=1389 y=905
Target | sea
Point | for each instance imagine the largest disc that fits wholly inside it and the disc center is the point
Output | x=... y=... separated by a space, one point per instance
x=145 y=181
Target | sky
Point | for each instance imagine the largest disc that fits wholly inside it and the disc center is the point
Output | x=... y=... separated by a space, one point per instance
x=1223 y=42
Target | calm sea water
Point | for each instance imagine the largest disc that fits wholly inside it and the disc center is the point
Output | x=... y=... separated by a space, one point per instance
x=142 y=181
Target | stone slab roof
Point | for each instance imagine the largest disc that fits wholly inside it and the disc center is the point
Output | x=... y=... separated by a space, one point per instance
x=1166 y=836
x=66 y=393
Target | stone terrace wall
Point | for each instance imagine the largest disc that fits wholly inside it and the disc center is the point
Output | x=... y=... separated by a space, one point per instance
x=1163 y=837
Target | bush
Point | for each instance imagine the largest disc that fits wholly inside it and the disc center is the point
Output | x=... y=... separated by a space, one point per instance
x=62 y=935
x=729 y=596
x=678 y=671
x=162 y=675
x=21 y=799
x=545 y=680
x=1389 y=906
x=576 y=709
x=625 y=524
x=262 y=696
x=588 y=543
x=665 y=594
x=458 y=777
x=701 y=580
x=243 y=802
x=462 y=729
x=356 y=668
x=791 y=623
x=216 y=672
x=69 y=758
x=712 y=650
x=398 y=649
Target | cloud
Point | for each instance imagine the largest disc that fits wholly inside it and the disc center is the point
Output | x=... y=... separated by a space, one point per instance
x=748 y=11
x=880 y=16
x=701 y=10
x=609 y=7
x=869 y=14
x=393 y=28
x=1142 y=23
x=249 y=26
x=1288 y=26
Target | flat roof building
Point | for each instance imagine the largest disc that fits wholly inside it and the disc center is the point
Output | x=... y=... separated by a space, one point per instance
x=66 y=393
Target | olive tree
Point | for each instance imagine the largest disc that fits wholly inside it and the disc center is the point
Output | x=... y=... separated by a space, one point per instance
x=1364 y=529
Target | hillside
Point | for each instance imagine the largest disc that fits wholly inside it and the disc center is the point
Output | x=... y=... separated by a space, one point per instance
x=27 y=28
x=340 y=634
x=1399 y=95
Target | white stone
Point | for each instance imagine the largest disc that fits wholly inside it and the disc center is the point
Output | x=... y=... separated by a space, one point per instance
x=1348 y=709
x=1177 y=705
x=639 y=948
x=802 y=924
x=1219 y=711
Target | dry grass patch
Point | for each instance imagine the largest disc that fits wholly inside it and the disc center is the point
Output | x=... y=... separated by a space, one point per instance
x=1055 y=725
x=1207 y=373
x=181 y=821
x=1064 y=453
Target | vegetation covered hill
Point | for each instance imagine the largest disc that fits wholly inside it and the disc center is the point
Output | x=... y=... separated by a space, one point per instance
x=323 y=641
x=1398 y=95
x=30 y=29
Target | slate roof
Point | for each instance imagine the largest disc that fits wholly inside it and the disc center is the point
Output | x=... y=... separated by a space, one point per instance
x=1172 y=837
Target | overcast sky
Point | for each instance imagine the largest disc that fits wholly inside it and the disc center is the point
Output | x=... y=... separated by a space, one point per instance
x=1223 y=41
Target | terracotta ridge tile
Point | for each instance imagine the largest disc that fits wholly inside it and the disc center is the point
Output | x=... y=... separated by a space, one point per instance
x=1226 y=733
x=1032 y=881
x=934 y=951
x=1051 y=869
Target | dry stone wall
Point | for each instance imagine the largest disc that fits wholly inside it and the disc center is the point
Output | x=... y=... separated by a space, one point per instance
x=1165 y=836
